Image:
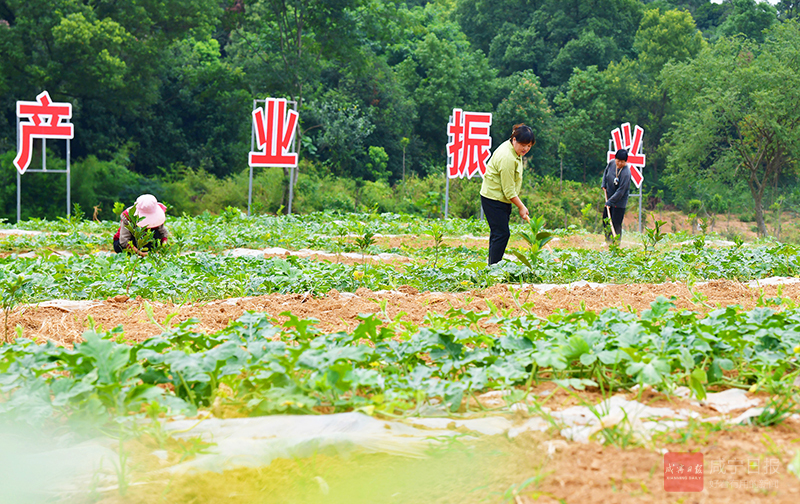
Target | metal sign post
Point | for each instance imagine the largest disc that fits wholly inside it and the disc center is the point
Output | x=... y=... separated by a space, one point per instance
x=640 y=209
x=46 y=120
x=446 y=174
x=45 y=170
x=446 y=194
x=275 y=154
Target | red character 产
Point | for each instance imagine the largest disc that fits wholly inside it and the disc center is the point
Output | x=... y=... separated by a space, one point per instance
x=46 y=120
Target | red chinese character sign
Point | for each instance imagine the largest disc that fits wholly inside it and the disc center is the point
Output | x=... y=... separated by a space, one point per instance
x=46 y=119
x=275 y=128
x=468 y=143
x=622 y=139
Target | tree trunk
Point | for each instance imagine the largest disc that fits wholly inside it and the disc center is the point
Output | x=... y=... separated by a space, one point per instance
x=762 y=228
x=654 y=166
x=404 y=167
x=772 y=160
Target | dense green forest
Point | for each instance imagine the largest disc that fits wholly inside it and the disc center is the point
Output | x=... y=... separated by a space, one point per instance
x=162 y=92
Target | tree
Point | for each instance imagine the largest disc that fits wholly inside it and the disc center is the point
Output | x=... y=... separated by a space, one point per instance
x=606 y=29
x=706 y=14
x=375 y=85
x=286 y=42
x=378 y=159
x=285 y=45
x=741 y=103
x=442 y=71
x=344 y=126
x=550 y=37
x=525 y=102
x=104 y=57
x=516 y=49
x=749 y=19
x=662 y=37
x=587 y=113
x=587 y=50
x=482 y=20
x=787 y=9
x=202 y=117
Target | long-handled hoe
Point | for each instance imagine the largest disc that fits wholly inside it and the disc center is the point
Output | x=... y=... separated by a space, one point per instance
x=608 y=213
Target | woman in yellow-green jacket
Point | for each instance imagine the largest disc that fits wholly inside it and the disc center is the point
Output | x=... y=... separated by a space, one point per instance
x=501 y=187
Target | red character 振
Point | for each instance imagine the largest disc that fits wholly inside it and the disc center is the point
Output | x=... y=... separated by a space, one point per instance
x=46 y=120
x=468 y=143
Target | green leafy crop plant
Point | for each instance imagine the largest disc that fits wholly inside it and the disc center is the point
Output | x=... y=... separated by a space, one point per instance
x=11 y=291
x=256 y=366
x=203 y=276
x=196 y=257
x=536 y=238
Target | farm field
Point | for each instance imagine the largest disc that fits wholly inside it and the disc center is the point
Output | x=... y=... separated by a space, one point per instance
x=376 y=358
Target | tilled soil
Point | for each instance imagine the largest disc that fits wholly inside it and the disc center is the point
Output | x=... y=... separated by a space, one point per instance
x=339 y=311
x=575 y=472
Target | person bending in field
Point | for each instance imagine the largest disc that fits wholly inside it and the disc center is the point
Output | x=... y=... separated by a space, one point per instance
x=151 y=215
x=501 y=186
x=615 y=185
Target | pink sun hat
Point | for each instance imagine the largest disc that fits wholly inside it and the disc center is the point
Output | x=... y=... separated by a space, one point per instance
x=150 y=210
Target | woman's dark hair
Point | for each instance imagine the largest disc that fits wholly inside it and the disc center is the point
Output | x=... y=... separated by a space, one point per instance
x=523 y=134
x=622 y=155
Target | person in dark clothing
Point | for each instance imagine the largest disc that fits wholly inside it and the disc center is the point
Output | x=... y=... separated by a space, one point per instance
x=616 y=184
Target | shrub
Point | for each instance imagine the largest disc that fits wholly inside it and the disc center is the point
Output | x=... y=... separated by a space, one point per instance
x=196 y=191
x=465 y=198
x=317 y=193
x=693 y=206
x=99 y=184
x=378 y=196
x=422 y=196
x=718 y=204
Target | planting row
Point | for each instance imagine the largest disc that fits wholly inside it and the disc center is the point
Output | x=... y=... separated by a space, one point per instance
x=329 y=232
x=203 y=276
x=258 y=366
x=233 y=229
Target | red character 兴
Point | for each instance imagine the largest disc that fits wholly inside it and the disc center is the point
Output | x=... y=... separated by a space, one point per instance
x=636 y=159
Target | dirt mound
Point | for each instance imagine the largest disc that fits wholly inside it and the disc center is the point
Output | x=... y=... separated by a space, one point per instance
x=339 y=311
